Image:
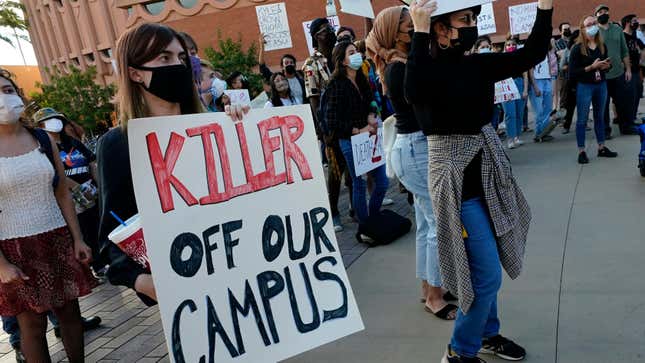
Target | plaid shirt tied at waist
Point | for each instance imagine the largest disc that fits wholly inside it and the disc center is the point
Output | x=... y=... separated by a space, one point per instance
x=509 y=211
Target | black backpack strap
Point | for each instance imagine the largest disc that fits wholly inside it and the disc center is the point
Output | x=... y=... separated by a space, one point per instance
x=46 y=147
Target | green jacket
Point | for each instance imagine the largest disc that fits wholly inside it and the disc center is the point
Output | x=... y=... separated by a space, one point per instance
x=616 y=49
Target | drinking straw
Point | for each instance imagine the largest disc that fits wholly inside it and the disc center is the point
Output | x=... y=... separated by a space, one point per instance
x=118 y=219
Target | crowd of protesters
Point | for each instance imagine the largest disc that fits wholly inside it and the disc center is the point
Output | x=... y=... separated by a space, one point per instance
x=413 y=67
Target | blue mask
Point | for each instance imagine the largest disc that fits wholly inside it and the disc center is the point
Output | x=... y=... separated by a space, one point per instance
x=485 y=50
x=592 y=30
x=355 y=61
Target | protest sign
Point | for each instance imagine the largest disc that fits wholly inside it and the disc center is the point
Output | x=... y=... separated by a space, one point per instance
x=357 y=7
x=274 y=24
x=260 y=100
x=368 y=151
x=333 y=21
x=506 y=90
x=239 y=234
x=447 y=6
x=238 y=96
x=522 y=17
x=542 y=70
x=486 y=20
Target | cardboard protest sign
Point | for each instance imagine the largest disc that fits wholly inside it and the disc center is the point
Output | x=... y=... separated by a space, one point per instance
x=522 y=17
x=333 y=21
x=239 y=234
x=274 y=24
x=357 y=7
x=368 y=151
x=486 y=20
x=238 y=96
x=447 y=6
x=260 y=100
x=542 y=70
x=506 y=90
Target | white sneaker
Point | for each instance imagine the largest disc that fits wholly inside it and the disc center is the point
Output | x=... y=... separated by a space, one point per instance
x=519 y=142
x=387 y=201
x=512 y=145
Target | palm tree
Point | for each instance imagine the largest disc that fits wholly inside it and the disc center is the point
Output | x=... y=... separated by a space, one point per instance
x=10 y=17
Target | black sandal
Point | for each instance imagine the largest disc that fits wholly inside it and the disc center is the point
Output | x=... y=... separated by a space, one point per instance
x=448 y=296
x=444 y=312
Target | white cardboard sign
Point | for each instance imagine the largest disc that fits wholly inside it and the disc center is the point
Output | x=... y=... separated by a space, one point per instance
x=522 y=17
x=506 y=90
x=542 y=70
x=238 y=96
x=358 y=7
x=447 y=6
x=333 y=21
x=239 y=234
x=274 y=24
x=368 y=151
x=486 y=20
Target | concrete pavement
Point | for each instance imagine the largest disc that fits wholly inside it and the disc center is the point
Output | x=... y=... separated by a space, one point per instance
x=581 y=297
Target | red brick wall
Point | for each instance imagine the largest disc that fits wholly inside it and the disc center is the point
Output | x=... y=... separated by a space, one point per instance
x=243 y=21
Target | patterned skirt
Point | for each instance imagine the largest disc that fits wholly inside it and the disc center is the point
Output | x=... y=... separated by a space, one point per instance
x=55 y=276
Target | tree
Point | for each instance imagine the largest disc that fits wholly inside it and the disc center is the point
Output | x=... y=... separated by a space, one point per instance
x=10 y=17
x=80 y=98
x=230 y=57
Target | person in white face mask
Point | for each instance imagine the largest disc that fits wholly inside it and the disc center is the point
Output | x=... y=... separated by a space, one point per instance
x=43 y=257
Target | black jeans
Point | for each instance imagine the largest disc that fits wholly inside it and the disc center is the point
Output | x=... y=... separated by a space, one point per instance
x=621 y=92
x=568 y=101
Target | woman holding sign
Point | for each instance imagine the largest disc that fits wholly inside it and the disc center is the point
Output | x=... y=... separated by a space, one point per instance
x=350 y=112
x=482 y=215
x=155 y=79
x=388 y=45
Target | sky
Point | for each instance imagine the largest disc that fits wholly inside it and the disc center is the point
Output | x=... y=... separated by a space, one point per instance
x=10 y=55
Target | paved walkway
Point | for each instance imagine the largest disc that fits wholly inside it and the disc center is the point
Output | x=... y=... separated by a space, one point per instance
x=580 y=299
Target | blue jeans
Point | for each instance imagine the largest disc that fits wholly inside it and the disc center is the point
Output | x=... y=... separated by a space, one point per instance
x=514 y=112
x=486 y=276
x=10 y=326
x=588 y=94
x=410 y=163
x=543 y=105
x=359 y=186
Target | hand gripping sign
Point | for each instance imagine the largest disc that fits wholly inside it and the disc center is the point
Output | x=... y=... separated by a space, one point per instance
x=239 y=234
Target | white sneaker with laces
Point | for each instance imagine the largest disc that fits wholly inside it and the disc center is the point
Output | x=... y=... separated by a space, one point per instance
x=512 y=144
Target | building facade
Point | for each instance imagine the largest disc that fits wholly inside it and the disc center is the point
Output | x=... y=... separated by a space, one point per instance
x=82 y=33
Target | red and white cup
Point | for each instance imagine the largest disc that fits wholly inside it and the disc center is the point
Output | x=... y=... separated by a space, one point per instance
x=130 y=240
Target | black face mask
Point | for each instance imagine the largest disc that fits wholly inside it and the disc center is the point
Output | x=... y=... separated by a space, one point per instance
x=290 y=69
x=466 y=39
x=170 y=83
x=603 y=19
x=634 y=26
x=567 y=33
x=330 y=39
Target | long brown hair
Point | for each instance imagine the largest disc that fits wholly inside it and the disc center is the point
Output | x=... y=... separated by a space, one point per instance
x=134 y=48
x=584 y=41
x=340 y=70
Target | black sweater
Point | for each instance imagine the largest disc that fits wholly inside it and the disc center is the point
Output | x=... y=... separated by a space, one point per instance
x=453 y=94
x=406 y=122
x=578 y=62
x=116 y=193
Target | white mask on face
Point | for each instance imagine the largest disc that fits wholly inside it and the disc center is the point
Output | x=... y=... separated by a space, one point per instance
x=11 y=107
x=53 y=125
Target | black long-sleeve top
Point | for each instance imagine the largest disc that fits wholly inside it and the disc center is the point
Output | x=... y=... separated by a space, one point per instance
x=453 y=94
x=347 y=107
x=406 y=122
x=116 y=193
x=578 y=62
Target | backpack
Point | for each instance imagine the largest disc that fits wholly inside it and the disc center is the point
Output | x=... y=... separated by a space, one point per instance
x=383 y=228
x=46 y=148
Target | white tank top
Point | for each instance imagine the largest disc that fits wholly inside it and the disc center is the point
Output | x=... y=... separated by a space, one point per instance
x=27 y=203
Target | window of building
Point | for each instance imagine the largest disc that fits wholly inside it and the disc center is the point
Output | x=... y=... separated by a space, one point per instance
x=188 y=3
x=155 y=8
